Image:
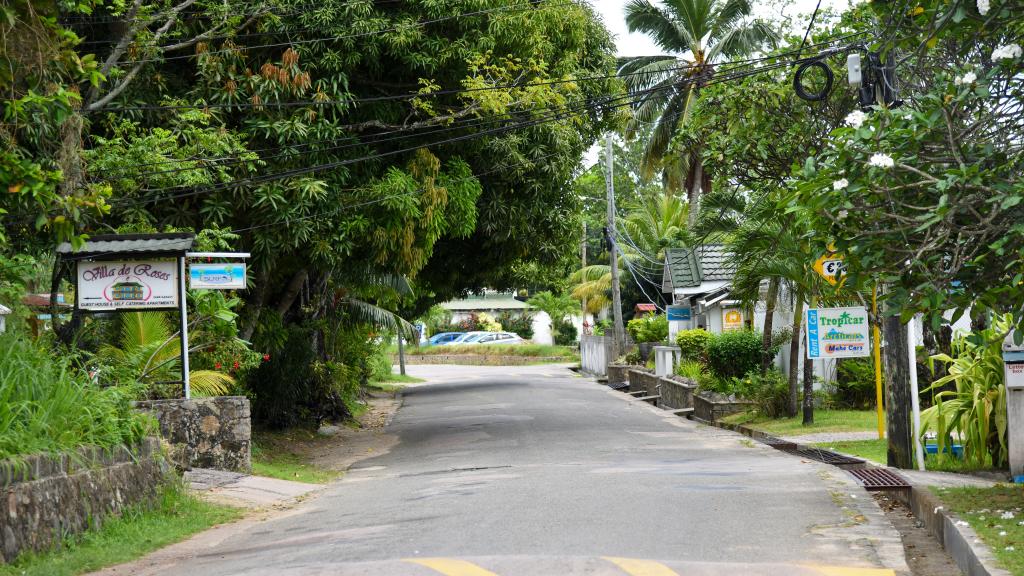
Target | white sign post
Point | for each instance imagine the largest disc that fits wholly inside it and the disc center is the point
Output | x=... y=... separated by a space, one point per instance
x=837 y=332
x=106 y=285
x=1013 y=362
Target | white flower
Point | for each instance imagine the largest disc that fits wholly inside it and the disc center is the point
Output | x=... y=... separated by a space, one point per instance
x=880 y=160
x=840 y=184
x=1006 y=516
x=1009 y=548
x=967 y=79
x=856 y=119
x=983 y=6
x=1008 y=52
x=843 y=214
x=1002 y=532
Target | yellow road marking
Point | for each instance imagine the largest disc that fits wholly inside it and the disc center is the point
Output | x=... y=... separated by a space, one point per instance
x=841 y=571
x=641 y=567
x=451 y=566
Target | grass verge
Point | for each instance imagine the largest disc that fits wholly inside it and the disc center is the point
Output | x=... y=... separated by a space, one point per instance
x=824 y=421
x=274 y=456
x=996 y=514
x=136 y=532
x=873 y=450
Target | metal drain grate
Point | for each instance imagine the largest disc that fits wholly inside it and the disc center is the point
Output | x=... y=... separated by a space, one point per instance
x=825 y=456
x=777 y=443
x=618 y=385
x=879 y=479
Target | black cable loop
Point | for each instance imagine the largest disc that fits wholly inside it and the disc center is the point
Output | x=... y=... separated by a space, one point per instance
x=798 y=85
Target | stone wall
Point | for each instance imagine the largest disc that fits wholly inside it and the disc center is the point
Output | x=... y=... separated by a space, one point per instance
x=643 y=380
x=48 y=497
x=677 y=392
x=618 y=373
x=213 y=432
x=711 y=406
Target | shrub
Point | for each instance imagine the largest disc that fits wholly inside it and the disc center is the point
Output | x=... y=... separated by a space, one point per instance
x=650 y=328
x=49 y=406
x=770 y=392
x=734 y=354
x=690 y=369
x=693 y=343
x=976 y=410
x=564 y=333
x=521 y=324
x=855 y=383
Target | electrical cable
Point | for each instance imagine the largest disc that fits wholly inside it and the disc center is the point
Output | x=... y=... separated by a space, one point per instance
x=337 y=164
x=360 y=34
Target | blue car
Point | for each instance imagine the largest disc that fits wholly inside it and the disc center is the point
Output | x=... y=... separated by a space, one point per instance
x=444 y=338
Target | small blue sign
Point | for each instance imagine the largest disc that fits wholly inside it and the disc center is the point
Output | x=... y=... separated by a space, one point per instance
x=813 y=343
x=679 y=313
x=217 y=276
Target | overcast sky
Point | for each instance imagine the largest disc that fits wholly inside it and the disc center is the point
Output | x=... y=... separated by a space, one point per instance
x=641 y=45
x=611 y=12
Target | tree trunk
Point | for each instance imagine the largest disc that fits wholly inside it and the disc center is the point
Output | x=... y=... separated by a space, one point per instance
x=897 y=382
x=259 y=298
x=291 y=292
x=693 y=194
x=794 y=355
x=979 y=319
x=769 y=320
x=808 y=403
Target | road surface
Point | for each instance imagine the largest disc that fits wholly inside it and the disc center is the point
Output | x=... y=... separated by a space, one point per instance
x=534 y=470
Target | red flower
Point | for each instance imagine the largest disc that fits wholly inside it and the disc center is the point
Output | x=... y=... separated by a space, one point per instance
x=235 y=365
x=216 y=366
x=266 y=357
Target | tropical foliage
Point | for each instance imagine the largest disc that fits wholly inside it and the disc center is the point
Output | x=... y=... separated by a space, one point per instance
x=974 y=411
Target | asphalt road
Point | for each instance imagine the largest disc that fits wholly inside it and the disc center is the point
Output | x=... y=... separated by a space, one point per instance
x=534 y=470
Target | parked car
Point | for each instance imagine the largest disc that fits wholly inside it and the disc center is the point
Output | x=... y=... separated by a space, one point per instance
x=469 y=338
x=500 y=338
x=444 y=338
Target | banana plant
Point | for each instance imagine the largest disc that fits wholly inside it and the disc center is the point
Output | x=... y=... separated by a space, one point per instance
x=975 y=410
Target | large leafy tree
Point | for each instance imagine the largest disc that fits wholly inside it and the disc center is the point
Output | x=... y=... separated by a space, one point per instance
x=697 y=35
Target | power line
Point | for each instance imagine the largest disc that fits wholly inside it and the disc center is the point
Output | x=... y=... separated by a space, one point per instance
x=356 y=35
x=340 y=163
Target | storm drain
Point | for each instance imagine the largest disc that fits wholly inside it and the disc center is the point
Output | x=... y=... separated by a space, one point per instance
x=777 y=443
x=823 y=456
x=618 y=385
x=879 y=479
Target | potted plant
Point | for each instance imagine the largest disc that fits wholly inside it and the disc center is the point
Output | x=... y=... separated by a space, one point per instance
x=648 y=331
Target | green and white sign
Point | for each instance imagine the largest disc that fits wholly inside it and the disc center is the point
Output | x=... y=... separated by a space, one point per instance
x=838 y=332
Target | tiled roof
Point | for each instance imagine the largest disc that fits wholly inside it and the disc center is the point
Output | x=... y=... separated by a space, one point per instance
x=132 y=244
x=689 y=267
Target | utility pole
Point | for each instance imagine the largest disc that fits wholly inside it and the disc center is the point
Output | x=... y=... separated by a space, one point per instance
x=618 y=332
x=583 y=258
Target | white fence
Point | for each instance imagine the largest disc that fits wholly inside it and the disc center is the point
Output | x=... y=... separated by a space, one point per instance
x=595 y=352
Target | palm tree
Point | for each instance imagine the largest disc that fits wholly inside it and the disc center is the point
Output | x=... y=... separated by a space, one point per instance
x=697 y=34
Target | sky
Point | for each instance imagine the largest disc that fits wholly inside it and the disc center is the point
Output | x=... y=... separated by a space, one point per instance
x=611 y=12
x=638 y=44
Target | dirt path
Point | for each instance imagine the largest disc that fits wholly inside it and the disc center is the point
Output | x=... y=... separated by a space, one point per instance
x=353 y=444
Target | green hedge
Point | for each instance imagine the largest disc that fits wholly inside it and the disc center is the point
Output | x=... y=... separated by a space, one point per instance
x=693 y=343
x=733 y=354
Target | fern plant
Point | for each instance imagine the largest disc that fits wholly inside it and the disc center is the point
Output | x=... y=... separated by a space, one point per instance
x=975 y=411
x=149 y=352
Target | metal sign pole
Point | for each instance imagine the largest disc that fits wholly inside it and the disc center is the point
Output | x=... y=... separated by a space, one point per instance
x=183 y=309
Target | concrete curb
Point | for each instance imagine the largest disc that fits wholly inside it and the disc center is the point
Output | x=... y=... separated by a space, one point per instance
x=962 y=543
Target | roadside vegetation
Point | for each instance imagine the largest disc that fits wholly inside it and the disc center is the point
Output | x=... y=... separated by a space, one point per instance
x=824 y=421
x=996 y=514
x=274 y=455
x=175 y=516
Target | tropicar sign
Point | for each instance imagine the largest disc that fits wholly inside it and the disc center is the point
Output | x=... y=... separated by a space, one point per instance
x=837 y=332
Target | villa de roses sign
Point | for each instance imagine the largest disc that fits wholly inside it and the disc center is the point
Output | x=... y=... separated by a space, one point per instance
x=134 y=285
x=837 y=332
